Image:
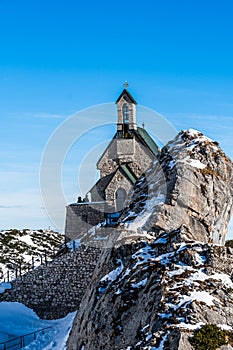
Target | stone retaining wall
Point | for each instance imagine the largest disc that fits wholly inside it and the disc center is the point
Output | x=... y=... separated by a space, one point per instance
x=82 y=217
x=54 y=290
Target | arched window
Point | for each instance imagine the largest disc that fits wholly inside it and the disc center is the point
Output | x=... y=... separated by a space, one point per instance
x=120 y=198
x=125 y=111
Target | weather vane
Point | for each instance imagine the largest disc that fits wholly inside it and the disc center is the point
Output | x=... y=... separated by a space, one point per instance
x=126 y=85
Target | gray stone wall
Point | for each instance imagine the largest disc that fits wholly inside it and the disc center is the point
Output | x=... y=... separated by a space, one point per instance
x=143 y=159
x=127 y=150
x=54 y=290
x=81 y=217
x=124 y=148
x=106 y=164
x=117 y=182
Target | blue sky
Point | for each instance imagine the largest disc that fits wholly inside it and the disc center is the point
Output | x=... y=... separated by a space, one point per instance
x=57 y=58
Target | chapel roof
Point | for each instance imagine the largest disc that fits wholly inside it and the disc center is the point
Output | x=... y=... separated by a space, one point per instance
x=128 y=173
x=103 y=182
x=128 y=95
x=146 y=139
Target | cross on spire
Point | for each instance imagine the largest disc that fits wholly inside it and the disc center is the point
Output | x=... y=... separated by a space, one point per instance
x=126 y=85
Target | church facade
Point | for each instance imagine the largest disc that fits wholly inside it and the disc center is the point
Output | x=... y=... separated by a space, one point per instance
x=124 y=160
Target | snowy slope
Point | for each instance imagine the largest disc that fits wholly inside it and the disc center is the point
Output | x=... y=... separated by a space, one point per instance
x=19 y=246
x=17 y=320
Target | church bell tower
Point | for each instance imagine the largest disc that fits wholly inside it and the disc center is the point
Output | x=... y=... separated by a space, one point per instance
x=126 y=113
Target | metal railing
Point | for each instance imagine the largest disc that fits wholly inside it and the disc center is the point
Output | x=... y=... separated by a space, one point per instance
x=18 y=269
x=23 y=340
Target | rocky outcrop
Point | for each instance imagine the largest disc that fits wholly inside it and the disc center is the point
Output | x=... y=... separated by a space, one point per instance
x=168 y=273
x=155 y=295
x=189 y=187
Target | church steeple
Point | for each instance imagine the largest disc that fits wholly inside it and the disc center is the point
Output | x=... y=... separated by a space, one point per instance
x=126 y=112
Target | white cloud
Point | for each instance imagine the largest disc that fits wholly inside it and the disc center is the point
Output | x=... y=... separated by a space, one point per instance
x=47 y=115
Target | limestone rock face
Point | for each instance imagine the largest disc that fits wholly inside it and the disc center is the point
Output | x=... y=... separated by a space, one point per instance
x=189 y=187
x=155 y=297
x=166 y=276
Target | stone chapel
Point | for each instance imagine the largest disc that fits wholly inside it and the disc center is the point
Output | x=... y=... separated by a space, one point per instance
x=124 y=160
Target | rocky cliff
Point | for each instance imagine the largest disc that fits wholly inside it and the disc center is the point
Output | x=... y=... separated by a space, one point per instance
x=168 y=272
x=189 y=187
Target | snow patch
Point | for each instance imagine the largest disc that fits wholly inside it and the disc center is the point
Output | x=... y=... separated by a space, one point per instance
x=190 y=326
x=139 y=284
x=143 y=255
x=226 y=280
x=225 y=327
x=200 y=275
x=171 y=164
x=198 y=135
x=16 y=320
x=163 y=315
x=112 y=276
x=161 y=345
x=4 y=286
x=144 y=215
x=196 y=164
x=161 y=240
x=203 y=296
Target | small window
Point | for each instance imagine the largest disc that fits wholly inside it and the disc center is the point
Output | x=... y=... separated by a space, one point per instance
x=125 y=113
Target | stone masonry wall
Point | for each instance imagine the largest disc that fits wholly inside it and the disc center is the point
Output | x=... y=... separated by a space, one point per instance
x=143 y=161
x=54 y=290
x=81 y=217
x=118 y=181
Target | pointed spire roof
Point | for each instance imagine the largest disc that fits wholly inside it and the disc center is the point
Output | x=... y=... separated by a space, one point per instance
x=129 y=97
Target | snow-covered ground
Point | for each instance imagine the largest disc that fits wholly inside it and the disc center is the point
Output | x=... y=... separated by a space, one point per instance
x=17 y=320
x=18 y=247
x=23 y=249
x=4 y=286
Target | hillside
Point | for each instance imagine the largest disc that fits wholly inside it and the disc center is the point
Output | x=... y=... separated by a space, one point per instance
x=21 y=248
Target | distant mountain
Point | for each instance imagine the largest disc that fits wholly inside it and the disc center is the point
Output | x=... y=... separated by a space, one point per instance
x=21 y=249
